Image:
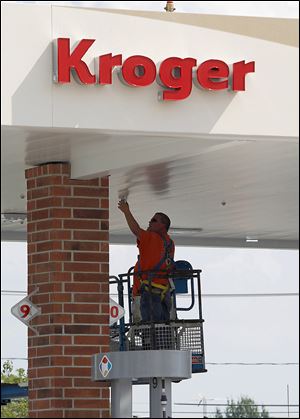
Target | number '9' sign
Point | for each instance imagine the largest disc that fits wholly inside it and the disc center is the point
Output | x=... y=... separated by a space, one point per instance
x=24 y=310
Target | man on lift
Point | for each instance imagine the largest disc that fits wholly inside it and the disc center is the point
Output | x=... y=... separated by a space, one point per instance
x=156 y=252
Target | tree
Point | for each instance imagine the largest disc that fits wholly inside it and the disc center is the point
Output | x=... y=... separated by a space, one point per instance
x=17 y=408
x=243 y=408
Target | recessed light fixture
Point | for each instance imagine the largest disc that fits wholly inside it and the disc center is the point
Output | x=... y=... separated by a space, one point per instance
x=251 y=240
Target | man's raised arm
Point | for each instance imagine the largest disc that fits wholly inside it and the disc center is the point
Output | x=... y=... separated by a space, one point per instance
x=132 y=223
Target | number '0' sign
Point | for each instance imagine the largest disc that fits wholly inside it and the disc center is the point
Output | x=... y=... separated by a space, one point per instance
x=114 y=312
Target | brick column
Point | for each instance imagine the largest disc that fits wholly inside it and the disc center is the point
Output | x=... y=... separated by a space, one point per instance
x=68 y=260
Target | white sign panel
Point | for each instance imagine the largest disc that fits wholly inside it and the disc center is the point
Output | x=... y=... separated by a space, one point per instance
x=25 y=310
x=116 y=312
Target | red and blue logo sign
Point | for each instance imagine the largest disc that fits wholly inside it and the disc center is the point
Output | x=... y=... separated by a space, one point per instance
x=105 y=366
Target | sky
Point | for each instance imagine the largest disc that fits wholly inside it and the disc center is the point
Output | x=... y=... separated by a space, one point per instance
x=236 y=329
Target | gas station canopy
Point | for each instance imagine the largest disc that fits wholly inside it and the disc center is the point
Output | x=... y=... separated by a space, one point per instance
x=223 y=164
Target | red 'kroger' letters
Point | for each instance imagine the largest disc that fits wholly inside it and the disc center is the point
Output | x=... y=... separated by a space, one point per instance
x=175 y=74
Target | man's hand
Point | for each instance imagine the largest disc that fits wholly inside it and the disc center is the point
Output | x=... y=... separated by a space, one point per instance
x=123 y=206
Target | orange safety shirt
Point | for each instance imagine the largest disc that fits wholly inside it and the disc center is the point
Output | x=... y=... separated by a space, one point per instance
x=151 y=249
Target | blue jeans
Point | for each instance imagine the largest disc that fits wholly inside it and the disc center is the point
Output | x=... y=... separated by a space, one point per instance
x=153 y=308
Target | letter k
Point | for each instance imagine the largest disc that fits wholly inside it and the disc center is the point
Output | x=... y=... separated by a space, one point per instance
x=67 y=61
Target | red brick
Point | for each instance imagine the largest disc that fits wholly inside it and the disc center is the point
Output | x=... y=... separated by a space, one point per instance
x=37 y=278
x=31 y=184
x=41 y=404
x=81 y=202
x=96 y=192
x=81 y=393
x=48 y=224
x=48 y=202
x=31 y=352
x=60 y=340
x=88 y=213
x=105 y=267
x=61 y=298
x=60 y=213
x=86 y=382
x=91 y=235
x=60 y=235
x=48 y=245
x=52 y=308
x=76 y=372
x=104 y=203
x=86 y=413
x=60 y=191
x=105 y=181
x=70 y=324
x=49 y=180
x=90 y=340
x=60 y=276
x=91 y=318
x=59 y=403
x=104 y=225
x=90 y=277
x=83 y=246
x=40 y=193
x=48 y=267
x=50 y=330
x=81 y=308
x=44 y=168
x=82 y=182
x=60 y=318
x=92 y=403
x=81 y=350
x=85 y=287
x=81 y=267
x=40 y=341
x=29 y=173
x=61 y=360
x=41 y=383
x=49 y=350
x=88 y=298
x=81 y=329
x=40 y=257
x=104 y=247
x=61 y=382
x=31 y=205
x=82 y=361
x=49 y=393
x=81 y=225
x=91 y=257
x=41 y=362
x=40 y=236
x=51 y=414
x=31 y=247
x=104 y=288
x=40 y=299
x=49 y=288
x=59 y=168
x=60 y=256
x=31 y=227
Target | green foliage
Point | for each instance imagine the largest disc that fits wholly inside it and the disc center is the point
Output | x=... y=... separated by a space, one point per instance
x=243 y=408
x=18 y=408
x=8 y=377
x=15 y=409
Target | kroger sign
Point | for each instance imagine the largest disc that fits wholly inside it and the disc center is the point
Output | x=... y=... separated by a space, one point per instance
x=176 y=75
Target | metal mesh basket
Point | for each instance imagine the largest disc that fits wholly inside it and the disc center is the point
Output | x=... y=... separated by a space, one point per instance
x=177 y=335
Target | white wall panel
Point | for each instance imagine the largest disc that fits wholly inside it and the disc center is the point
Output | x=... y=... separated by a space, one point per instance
x=26 y=65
